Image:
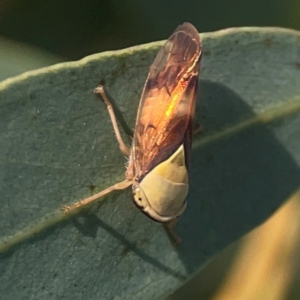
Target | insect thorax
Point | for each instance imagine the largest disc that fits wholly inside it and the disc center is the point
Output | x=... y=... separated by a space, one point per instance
x=161 y=194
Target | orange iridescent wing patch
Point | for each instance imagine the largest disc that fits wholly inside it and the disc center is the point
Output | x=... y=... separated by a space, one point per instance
x=167 y=105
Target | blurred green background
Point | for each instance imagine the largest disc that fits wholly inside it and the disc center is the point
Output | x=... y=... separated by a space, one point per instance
x=72 y=29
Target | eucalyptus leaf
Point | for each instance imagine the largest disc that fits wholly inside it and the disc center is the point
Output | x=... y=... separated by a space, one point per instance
x=58 y=146
x=17 y=58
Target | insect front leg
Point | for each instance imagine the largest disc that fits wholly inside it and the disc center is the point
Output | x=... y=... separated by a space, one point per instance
x=118 y=186
x=123 y=147
x=174 y=237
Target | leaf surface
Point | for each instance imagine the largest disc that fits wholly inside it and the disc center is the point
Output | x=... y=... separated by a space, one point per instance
x=58 y=146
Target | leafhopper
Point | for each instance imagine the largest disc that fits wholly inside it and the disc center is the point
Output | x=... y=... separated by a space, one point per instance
x=159 y=158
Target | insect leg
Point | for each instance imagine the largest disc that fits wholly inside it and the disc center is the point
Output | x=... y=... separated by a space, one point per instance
x=118 y=186
x=123 y=147
x=198 y=128
x=169 y=226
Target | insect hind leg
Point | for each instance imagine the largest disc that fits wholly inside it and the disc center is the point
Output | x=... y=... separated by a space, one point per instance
x=123 y=147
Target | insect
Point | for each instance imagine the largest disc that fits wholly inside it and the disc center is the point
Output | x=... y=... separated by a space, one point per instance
x=159 y=158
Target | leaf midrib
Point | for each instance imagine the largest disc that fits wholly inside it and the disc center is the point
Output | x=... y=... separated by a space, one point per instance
x=51 y=219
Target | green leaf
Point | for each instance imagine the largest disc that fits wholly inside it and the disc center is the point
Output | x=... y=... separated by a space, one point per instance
x=58 y=146
x=16 y=58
